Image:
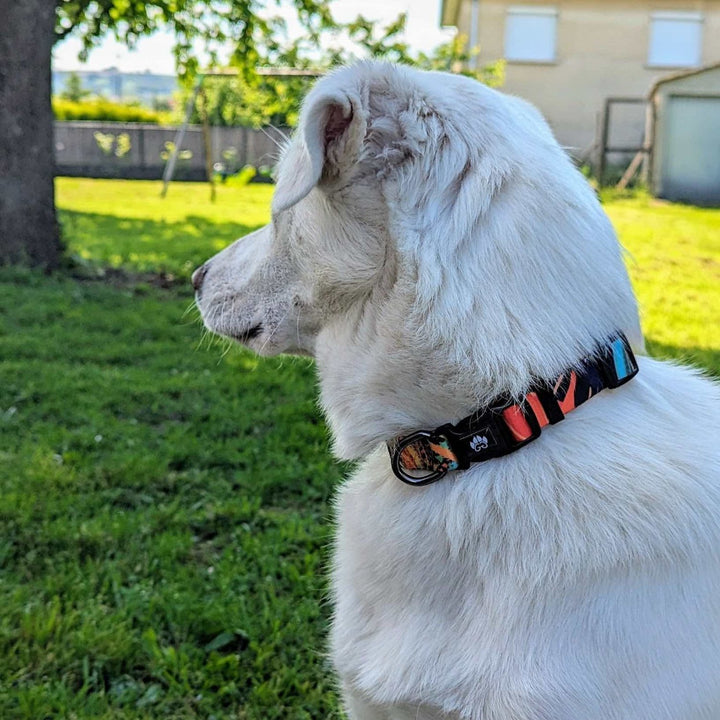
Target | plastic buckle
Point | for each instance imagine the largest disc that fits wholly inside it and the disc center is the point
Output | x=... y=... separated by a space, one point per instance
x=430 y=446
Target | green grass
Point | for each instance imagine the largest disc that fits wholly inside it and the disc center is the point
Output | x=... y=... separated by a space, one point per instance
x=165 y=504
x=674 y=263
x=164 y=514
x=128 y=224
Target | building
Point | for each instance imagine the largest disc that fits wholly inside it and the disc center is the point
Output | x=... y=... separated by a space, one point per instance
x=567 y=57
x=685 y=130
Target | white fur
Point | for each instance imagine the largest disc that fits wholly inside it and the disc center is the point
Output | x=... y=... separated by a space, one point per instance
x=433 y=248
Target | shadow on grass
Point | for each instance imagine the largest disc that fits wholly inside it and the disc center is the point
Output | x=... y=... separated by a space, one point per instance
x=144 y=245
x=707 y=359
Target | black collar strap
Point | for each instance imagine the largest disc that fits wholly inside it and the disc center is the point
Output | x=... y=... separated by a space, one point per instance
x=427 y=455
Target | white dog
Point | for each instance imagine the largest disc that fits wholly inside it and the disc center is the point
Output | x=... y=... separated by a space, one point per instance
x=437 y=253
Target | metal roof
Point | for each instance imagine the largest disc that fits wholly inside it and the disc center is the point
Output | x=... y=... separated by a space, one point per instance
x=449 y=12
x=680 y=75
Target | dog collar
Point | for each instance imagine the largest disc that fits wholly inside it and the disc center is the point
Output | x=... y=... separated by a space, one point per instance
x=425 y=456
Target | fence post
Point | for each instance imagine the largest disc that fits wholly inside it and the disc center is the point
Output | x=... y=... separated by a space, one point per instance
x=141 y=145
x=604 y=135
x=244 y=150
x=170 y=167
x=207 y=143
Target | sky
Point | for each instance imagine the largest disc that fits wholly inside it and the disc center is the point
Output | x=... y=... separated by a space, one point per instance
x=155 y=52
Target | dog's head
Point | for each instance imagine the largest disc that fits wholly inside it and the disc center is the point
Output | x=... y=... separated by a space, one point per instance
x=327 y=246
x=431 y=245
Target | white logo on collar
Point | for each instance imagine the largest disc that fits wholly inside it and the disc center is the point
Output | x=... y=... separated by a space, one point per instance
x=479 y=442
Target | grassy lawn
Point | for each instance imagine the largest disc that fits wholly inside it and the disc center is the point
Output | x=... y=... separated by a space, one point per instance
x=129 y=225
x=165 y=503
x=674 y=263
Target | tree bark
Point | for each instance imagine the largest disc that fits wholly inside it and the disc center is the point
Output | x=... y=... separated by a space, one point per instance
x=28 y=226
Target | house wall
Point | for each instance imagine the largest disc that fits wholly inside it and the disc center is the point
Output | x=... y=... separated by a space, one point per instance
x=602 y=50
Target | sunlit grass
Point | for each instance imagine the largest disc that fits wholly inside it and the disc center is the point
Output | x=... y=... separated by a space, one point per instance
x=164 y=511
x=674 y=264
x=126 y=224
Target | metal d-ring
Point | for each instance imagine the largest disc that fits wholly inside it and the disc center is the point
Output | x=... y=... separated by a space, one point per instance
x=399 y=446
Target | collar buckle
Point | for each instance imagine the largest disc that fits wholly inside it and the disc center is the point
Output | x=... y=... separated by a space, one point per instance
x=422 y=457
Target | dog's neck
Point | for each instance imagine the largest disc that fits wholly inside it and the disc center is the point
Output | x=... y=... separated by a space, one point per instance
x=491 y=291
x=396 y=366
x=371 y=398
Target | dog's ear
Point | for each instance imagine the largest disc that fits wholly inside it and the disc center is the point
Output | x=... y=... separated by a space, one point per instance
x=327 y=144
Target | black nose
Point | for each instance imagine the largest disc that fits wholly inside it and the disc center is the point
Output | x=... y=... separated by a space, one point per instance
x=198 y=276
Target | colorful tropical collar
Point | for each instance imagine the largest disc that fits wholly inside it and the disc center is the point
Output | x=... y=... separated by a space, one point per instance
x=426 y=456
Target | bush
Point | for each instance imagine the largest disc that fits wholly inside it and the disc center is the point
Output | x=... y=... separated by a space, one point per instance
x=100 y=109
x=237 y=179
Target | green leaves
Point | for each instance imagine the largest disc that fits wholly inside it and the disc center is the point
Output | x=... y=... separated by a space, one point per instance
x=211 y=25
x=381 y=42
x=248 y=35
x=234 y=641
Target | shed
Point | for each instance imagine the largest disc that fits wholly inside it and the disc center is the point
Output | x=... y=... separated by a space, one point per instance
x=685 y=119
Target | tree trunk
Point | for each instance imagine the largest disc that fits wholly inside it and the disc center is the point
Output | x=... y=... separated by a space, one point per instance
x=28 y=228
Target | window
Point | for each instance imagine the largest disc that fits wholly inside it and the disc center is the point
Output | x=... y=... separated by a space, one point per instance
x=675 y=39
x=530 y=33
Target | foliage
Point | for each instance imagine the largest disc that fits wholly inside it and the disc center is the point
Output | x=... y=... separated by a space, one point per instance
x=118 y=145
x=165 y=504
x=383 y=43
x=233 y=100
x=251 y=99
x=122 y=145
x=105 y=142
x=456 y=56
x=244 y=176
x=169 y=149
x=253 y=32
x=74 y=90
x=100 y=109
